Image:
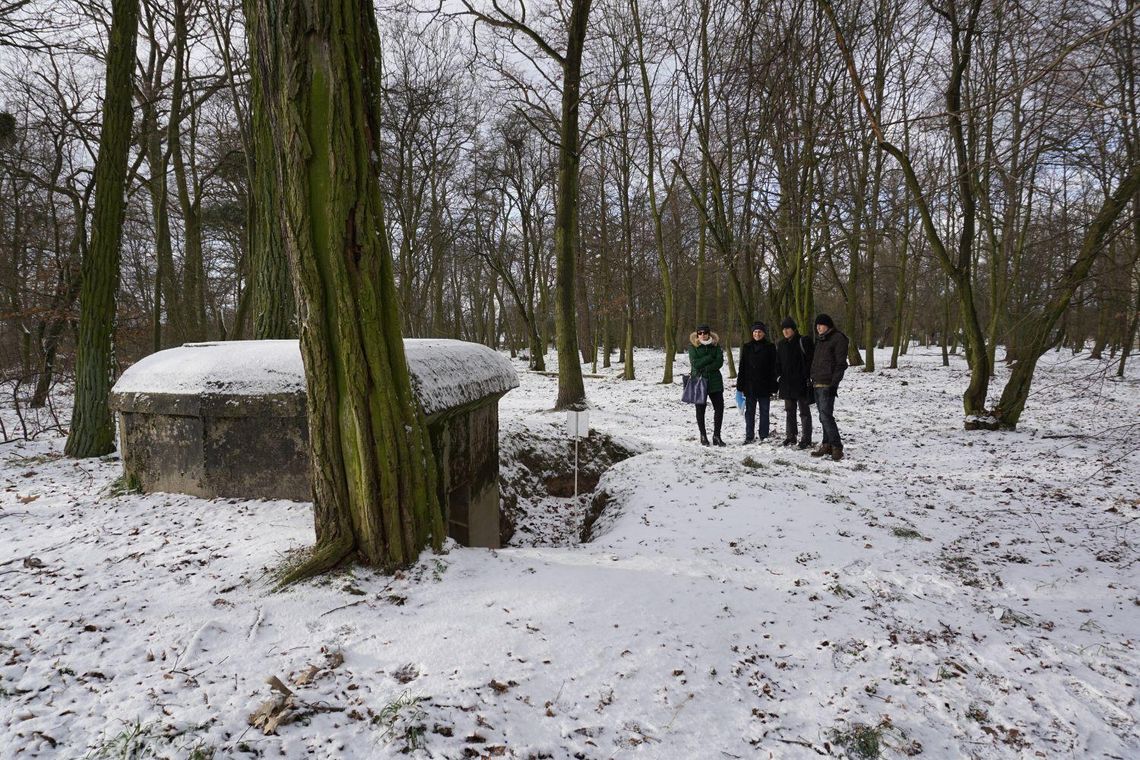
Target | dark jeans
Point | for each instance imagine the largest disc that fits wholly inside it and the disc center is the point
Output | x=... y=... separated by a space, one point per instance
x=790 y=405
x=750 y=404
x=825 y=403
x=717 y=400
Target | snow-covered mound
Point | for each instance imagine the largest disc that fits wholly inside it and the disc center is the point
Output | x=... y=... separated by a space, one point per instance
x=445 y=373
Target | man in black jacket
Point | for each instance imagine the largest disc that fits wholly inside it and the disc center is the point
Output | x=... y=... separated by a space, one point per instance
x=827 y=368
x=756 y=379
x=795 y=353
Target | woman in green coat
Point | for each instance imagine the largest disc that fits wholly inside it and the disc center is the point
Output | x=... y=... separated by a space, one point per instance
x=705 y=360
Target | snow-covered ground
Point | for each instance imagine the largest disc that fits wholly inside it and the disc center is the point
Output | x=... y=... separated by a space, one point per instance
x=958 y=594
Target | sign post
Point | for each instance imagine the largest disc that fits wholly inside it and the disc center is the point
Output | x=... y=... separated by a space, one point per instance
x=577 y=426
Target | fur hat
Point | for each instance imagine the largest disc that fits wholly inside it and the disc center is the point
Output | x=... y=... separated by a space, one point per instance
x=824 y=319
x=789 y=322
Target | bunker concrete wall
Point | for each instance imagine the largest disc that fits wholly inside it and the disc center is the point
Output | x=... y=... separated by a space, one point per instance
x=267 y=457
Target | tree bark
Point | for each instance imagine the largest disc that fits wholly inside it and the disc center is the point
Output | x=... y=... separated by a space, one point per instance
x=92 y=428
x=571 y=390
x=273 y=304
x=374 y=474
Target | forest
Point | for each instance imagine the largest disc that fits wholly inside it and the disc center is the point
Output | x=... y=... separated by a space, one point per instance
x=962 y=174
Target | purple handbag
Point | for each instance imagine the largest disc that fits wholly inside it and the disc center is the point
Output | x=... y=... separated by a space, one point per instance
x=696 y=390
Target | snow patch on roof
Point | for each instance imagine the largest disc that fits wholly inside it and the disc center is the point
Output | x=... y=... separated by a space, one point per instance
x=445 y=373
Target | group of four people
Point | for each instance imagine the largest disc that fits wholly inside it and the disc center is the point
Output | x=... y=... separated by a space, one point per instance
x=800 y=370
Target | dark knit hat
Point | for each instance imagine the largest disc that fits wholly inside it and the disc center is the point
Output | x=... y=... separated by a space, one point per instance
x=789 y=322
x=824 y=319
x=758 y=325
x=704 y=328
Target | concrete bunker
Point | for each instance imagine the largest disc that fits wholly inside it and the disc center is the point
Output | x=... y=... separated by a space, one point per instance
x=229 y=420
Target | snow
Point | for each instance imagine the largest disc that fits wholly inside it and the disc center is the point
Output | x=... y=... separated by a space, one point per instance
x=445 y=373
x=239 y=368
x=972 y=594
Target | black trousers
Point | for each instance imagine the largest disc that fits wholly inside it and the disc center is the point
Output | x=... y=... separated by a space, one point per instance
x=717 y=400
x=790 y=405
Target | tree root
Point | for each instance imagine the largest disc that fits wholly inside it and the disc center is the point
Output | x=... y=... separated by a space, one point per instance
x=321 y=558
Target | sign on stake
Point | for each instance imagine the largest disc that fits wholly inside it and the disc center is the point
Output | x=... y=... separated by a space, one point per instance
x=577 y=426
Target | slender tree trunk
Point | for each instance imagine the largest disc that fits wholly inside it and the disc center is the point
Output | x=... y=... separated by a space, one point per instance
x=374 y=473
x=165 y=294
x=900 y=336
x=872 y=251
x=606 y=263
x=193 y=316
x=585 y=320
x=1009 y=408
x=705 y=116
x=946 y=327
x=571 y=391
x=52 y=330
x=1130 y=336
x=669 y=320
x=92 y=428
x=727 y=331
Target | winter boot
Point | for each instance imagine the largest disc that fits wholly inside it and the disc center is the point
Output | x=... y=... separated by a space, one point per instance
x=789 y=441
x=717 y=441
x=749 y=440
x=823 y=450
x=836 y=453
x=805 y=444
x=704 y=440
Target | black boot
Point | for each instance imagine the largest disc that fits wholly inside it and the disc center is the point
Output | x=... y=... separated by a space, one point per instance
x=805 y=444
x=824 y=450
x=789 y=441
x=704 y=440
x=717 y=441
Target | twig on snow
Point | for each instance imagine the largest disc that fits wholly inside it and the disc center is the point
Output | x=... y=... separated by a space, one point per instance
x=803 y=743
x=345 y=606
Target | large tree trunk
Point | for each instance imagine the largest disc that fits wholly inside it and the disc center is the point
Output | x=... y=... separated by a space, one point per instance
x=571 y=391
x=92 y=429
x=374 y=473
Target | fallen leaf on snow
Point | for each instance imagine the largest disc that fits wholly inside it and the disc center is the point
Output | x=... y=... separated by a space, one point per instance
x=272 y=713
x=306 y=676
x=278 y=685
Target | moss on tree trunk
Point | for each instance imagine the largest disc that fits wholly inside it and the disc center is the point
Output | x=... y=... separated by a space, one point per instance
x=374 y=474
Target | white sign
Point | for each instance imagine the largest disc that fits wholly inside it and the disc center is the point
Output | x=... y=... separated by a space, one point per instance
x=578 y=424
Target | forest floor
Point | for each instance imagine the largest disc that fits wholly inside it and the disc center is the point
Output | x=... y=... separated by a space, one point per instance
x=943 y=592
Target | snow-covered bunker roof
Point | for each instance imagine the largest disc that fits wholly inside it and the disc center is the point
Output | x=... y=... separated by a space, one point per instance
x=446 y=374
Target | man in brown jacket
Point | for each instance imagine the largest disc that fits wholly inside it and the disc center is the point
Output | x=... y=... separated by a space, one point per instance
x=827 y=368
